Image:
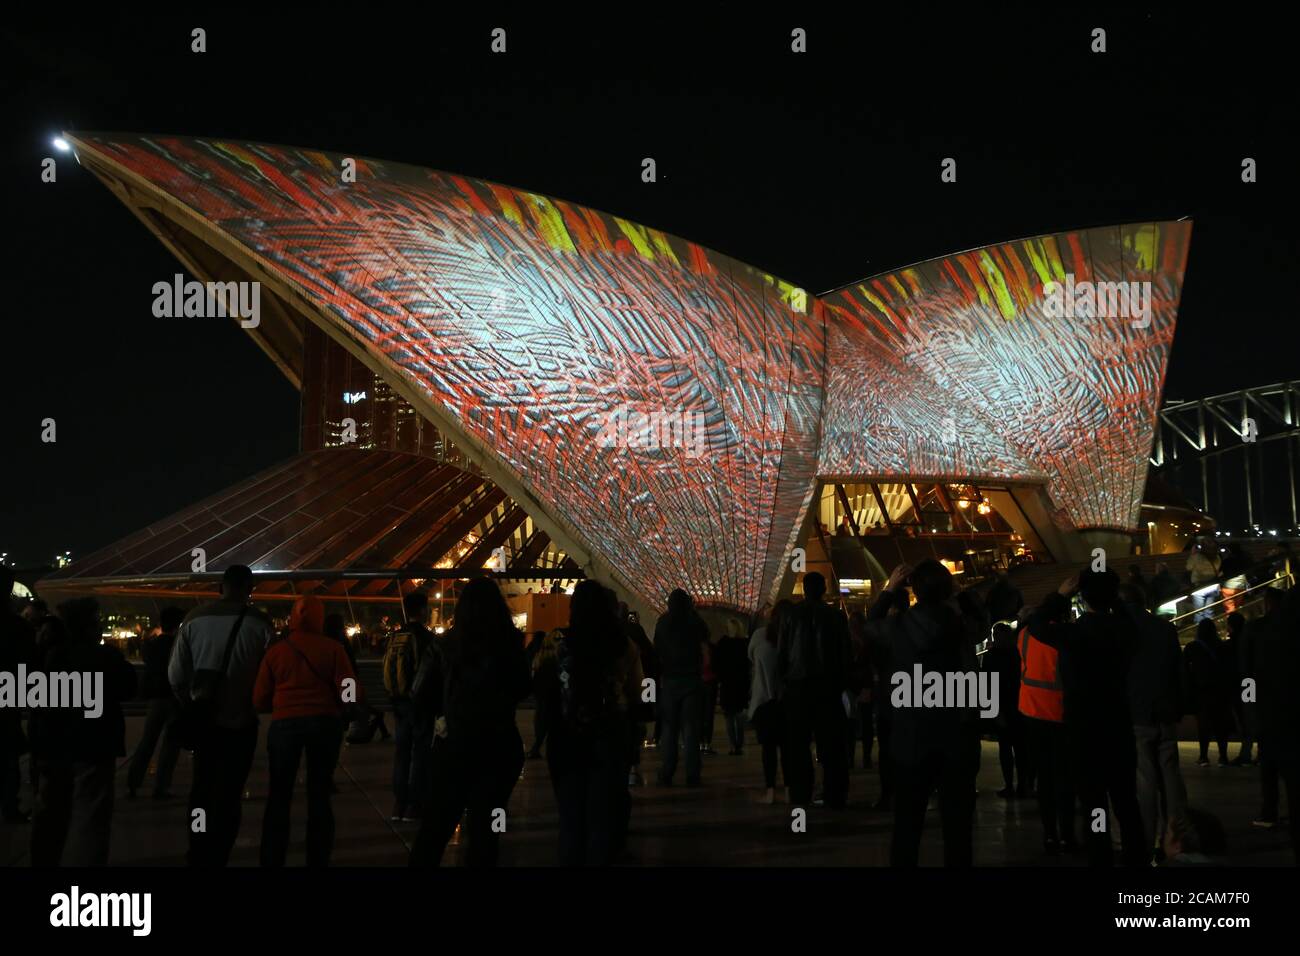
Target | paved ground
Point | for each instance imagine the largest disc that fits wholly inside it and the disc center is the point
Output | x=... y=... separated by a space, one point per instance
x=718 y=824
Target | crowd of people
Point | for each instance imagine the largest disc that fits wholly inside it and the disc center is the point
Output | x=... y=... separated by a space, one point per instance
x=1091 y=688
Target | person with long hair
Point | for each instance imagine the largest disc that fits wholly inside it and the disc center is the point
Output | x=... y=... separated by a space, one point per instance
x=681 y=638
x=471 y=684
x=599 y=678
x=303 y=682
x=765 y=697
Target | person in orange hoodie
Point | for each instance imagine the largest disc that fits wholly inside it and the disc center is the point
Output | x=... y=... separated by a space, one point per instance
x=304 y=682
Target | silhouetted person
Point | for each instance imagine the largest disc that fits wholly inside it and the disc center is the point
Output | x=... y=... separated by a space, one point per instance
x=1042 y=704
x=1205 y=660
x=709 y=713
x=1276 y=651
x=471 y=684
x=814 y=671
x=643 y=711
x=1155 y=698
x=933 y=748
x=599 y=671
x=860 y=687
x=403 y=657
x=680 y=640
x=766 y=712
x=731 y=660
x=303 y=682
x=160 y=719
x=75 y=748
x=218 y=651
x=1095 y=662
x=1233 y=653
x=17 y=646
x=545 y=688
x=1013 y=752
x=1164 y=587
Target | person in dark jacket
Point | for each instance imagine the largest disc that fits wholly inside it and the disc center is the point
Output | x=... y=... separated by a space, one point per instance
x=709 y=713
x=1274 y=662
x=1207 y=685
x=413 y=729
x=160 y=719
x=814 y=660
x=1233 y=656
x=599 y=670
x=1155 y=699
x=76 y=752
x=541 y=654
x=17 y=646
x=1094 y=663
x=1164 y=586
x=643 y=710
x=933 y=748
x=471 y=685
x=860 y=687
x=681 y=637
x=731 y=661
x=1013 y=752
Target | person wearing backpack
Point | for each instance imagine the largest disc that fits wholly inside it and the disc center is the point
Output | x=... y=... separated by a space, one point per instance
x=302 y=683
x=599 y=670
x=213 y=666
x=406 y=650
x=469 y=684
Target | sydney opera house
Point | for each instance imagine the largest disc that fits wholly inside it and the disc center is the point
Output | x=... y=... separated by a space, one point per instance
x=461 y=347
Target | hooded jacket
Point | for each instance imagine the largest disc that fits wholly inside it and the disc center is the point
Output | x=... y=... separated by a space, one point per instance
x=932 y=636
x=303 y=674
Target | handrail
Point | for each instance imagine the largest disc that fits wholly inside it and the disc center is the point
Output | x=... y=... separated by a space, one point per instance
x=1220 y=581
x=1284 y=576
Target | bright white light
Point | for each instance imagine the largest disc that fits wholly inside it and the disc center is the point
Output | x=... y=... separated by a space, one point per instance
x=61 y=144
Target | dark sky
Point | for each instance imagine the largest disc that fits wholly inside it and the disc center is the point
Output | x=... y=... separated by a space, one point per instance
x=820 y=168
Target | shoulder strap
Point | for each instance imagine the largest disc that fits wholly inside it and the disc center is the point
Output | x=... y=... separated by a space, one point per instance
x=230 y=642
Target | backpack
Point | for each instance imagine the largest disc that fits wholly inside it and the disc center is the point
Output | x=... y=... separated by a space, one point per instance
x=401 y=662
x=588 y=697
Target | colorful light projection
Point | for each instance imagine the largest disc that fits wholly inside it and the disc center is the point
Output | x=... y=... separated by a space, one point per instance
x=529 y=324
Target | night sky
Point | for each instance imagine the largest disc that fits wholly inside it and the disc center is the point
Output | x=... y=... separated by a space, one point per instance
x=820 y=168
